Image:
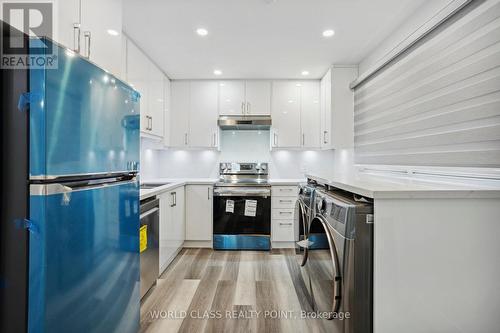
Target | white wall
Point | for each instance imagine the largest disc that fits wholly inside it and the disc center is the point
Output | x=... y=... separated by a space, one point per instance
x=418 y=18
x=242 y=146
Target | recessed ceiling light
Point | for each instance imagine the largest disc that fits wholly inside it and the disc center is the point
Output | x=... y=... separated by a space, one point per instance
x=202 y=31
x=217 y=72
x=305 y=73
x=113 y=32
x=328 y=33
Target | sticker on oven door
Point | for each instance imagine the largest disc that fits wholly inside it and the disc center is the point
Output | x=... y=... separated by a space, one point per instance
x=229 y=206
x=250 y=208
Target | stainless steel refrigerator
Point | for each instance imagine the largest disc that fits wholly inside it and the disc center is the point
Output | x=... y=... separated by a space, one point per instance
x=82 y=209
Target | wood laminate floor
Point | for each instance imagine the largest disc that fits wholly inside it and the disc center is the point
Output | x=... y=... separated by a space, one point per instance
x=230 y=291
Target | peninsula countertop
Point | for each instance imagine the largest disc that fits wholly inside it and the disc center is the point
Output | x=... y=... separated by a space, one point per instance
x=406 y=187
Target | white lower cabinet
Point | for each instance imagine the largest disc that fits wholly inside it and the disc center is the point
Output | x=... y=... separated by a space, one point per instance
x=283 y=213
x=199 y=217
x=172 y=225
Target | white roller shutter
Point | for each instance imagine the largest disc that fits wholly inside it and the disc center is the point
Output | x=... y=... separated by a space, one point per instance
x=438 y=103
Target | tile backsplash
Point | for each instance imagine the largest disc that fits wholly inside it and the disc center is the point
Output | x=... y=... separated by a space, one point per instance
x=236 y=146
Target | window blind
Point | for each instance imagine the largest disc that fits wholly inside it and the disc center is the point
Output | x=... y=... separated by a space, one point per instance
x=438 y=103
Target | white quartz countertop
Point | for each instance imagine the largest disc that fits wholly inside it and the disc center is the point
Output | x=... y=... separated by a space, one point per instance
x=406 y=187
x=173 y=183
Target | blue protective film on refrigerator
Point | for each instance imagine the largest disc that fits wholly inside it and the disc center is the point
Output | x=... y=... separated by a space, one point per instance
x=83 y=120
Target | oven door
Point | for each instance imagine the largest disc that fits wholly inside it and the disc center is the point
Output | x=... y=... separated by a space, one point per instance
x=242 y=218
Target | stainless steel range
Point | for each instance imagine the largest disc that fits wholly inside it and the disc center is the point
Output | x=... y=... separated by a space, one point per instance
x=242 y=207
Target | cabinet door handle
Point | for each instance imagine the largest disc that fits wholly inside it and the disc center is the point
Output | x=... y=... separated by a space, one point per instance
x=185 y=139
x=285 y=223
x=173 y=199
x=208 y=193
x=76 y=37
x=88 y=36
x=248 y=107
x=275 y=139
x=324 y=137
x=286 y=189
x=243 y=107
x=303 y=139
x=283 y=213
x=151 y=122
x=288 y=201
x=214 y=142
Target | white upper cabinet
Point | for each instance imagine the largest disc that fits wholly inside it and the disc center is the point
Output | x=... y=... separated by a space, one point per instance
x=244 y=98
x=101 y=27
x=286 y=115
x=167 y=106
x=156 y=97
x=231 y=98
x=179 y=114
x=137 y=69
x=296 y=114
x=144 y=76
x=310 y=114
x=82 y=27
x=337 y=108
x=68 y=23
x=193 y=115
x=326 y=109
x=203 y=129
x=123 y=65
x=258 y=97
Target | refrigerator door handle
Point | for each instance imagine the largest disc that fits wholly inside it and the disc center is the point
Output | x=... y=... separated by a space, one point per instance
x=65 y=188
x=88 y=36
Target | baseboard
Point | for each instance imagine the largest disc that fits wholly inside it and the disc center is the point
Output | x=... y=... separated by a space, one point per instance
x=169 y=261
x=283 y=245
x=198 y=244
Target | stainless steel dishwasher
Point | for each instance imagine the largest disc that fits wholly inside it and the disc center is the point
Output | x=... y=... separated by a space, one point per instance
x=149 y=239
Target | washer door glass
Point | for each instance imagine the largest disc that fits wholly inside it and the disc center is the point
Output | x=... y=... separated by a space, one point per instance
x=322 y=267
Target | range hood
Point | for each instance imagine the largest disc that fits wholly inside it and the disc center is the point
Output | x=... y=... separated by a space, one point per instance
x=244 y=122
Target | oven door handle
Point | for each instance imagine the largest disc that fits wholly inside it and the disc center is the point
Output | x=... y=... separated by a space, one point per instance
x=233 y=192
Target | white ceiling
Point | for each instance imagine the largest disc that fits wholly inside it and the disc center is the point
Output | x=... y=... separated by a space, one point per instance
x=260 y=38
